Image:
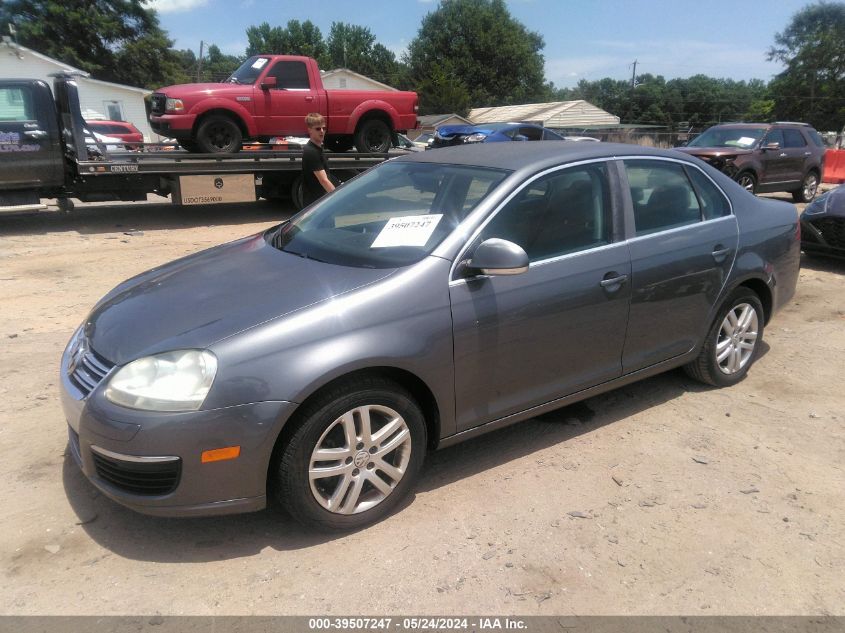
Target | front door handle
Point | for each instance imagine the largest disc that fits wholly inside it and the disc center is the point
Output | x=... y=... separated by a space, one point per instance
x=719 y=253
x=309 y=98
x=35 y=134
x=618 y=280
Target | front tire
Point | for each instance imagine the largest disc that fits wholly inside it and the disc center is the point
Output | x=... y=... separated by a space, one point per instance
x=373 y=136
x=733 y=342
x=809 y=187
x=219 y=135
x=354 y=456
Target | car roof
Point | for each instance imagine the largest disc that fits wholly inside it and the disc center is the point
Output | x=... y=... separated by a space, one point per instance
x=534 y=155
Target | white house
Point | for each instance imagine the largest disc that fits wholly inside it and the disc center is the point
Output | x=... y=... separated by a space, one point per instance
x=98 y=99
x=345 y=79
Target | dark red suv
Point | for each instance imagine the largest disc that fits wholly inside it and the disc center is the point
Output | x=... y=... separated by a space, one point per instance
x=123 y=130
x=765 y=157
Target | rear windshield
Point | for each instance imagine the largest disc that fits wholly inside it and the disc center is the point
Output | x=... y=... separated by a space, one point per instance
x=249 y=71
x=743 y=138
x=391 y=216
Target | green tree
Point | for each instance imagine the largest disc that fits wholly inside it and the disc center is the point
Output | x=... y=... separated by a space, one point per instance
x=114 y=40
x=297 y=38
x=812 y=88
x=355 y=47
x=491 y=54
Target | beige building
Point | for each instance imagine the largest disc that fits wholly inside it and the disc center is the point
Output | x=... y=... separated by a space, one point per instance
x=556 y=114
x=345 y=79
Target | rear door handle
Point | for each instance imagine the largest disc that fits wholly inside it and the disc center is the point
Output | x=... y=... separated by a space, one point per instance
x=35 y=133
x=613 y=281
x=720 y=253
x=808 y=153
x=782 y=154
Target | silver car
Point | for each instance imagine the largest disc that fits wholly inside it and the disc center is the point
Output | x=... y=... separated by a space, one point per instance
x=435 y=297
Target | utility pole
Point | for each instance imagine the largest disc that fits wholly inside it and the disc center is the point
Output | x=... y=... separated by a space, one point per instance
x=634 y=76
x=199 y=63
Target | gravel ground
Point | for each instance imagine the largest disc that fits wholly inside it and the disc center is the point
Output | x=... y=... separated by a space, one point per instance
x=664 y=497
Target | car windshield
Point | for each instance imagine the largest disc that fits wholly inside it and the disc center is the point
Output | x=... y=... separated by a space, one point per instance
x=391 y=216
x=249 y=71
x=744 y=138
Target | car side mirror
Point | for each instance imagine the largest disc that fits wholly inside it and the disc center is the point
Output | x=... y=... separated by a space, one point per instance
x=268 y=82
x=520 y=137
x=495 y=256
x=773 y=146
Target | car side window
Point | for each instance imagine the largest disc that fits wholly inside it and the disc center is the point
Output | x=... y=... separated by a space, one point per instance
x=713 y=202
x=16 y=104
x=560 y=213
x=793 y=138
x=290 y=75
x=662 y=194
x=774 y=136
x=531 y=133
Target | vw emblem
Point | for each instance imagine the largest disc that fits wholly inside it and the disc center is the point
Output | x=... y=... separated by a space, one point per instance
x=218 y=183
x=361 y=459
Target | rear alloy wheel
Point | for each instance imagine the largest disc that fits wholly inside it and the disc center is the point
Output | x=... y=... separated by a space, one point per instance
x=373 y=136
x=732 y=343
x=748 y=182
x=808 y=188
x=219 y=135
x=354 y=457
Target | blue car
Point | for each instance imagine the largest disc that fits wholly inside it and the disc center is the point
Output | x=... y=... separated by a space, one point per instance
x=447 y=135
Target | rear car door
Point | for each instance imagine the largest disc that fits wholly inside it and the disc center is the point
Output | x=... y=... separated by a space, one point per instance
x=682 y=250
x=798 y=154
x=530 y=338
x=30 y=152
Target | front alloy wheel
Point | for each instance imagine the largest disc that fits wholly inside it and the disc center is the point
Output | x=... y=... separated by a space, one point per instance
x=748 y=182
x=360 y=459
x=355 y=453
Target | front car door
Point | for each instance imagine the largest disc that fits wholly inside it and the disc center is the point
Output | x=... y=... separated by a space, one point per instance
x=30 y=153
x=527 y=339
x=682 y=250
x=774 y=167
x=286 y=106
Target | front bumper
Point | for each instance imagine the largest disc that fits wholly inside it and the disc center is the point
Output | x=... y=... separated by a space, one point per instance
x=151 y=462
x=823 y=235
x=178 y=126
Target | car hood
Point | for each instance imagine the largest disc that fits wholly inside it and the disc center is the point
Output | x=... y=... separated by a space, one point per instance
x=195 y=301
x=830 y=204
x=446 y=131
x=181 y=90
x=714 y=151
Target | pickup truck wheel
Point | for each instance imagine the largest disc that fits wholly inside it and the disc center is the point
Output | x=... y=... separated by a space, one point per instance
x=296 y=193
x=219 y=135
x=373 y=136
x=339 y=143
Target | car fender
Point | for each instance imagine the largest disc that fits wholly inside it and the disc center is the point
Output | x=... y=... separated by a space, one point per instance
x=217 y=103
x=373 y=105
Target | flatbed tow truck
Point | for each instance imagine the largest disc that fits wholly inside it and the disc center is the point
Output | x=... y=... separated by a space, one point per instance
x=47 y=152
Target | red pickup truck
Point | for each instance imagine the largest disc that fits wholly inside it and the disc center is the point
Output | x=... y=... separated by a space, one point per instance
x=269 y=95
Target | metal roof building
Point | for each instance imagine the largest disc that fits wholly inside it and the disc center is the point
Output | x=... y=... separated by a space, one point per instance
x=556 y=114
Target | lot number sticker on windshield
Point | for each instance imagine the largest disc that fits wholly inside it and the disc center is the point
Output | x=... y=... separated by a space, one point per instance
x=259 y=63
x=411 y=230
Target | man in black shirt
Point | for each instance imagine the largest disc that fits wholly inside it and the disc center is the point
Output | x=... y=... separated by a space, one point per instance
x=316 y=178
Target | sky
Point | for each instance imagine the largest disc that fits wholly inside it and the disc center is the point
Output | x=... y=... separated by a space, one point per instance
x=585 y=39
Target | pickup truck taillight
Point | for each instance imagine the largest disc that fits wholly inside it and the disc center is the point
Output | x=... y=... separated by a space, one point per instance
x=174 y=105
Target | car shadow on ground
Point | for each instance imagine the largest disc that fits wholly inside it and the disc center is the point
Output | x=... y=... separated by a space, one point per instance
x=140 y=537
x=120 y=217
x=823 y=264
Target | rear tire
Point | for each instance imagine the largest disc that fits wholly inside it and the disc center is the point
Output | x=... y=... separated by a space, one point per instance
x=355 y=454
x=809 y=187
x=373 y=136
x=296 y=194
x=219 y=135
x=733 y=342
x=747 y=181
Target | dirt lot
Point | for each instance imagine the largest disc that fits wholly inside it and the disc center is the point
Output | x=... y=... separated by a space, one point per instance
x=661 y=498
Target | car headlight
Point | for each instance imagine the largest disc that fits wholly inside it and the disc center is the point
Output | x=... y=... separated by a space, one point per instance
x=173 y=381
x=174 y=105
x=817 y=206
x=475 y=138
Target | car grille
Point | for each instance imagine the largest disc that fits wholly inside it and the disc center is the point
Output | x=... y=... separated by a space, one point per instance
x=832 y=230
x=149 y=478
x=157 y=102
x=87 y=369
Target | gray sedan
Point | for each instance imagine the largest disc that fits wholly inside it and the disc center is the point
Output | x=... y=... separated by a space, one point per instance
x=435 y=297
